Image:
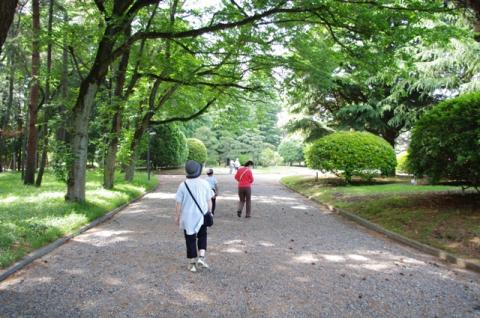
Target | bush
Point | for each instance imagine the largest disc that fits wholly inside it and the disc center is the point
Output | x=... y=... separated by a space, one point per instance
x=291 y=150
x=196 y=150
x=446 y=141
x=349 y=154
x=402 y=163
x=269 y=158
x=168 y=147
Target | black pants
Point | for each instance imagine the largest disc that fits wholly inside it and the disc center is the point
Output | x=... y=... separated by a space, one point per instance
x=245 y=195
x=214 y=199
x=194 y=240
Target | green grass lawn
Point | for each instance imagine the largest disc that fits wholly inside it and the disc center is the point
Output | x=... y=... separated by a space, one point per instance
x=438 y=215
x=31 y=217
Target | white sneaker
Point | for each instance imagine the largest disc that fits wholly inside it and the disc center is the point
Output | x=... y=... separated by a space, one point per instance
x=192 y=267
x=202 y=263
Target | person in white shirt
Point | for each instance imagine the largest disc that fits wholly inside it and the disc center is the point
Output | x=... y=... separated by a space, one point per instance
x=212 y=181
x=231 y=165
x=188 y=215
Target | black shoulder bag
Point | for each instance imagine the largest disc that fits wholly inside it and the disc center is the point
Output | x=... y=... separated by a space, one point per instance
x=207 y=217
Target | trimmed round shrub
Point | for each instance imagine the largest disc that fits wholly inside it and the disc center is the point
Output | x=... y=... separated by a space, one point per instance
x=196 y=150
x=446 y=141
x=349 y=154
x=168 y=147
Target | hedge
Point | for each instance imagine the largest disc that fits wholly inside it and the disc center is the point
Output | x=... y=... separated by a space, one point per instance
x=196 y=150
x=349 y=154
x=168 y=147
x=446 y=142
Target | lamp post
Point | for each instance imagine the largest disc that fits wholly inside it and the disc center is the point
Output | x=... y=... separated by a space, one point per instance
x=150 y=133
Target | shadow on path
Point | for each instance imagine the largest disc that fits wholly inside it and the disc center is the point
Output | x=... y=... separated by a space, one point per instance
x=291 y=259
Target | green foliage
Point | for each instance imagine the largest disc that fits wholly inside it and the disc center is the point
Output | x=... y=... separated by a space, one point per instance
x=310 y=127
x=382 y=85
x=207 y=136
x=269 y=158
x=168 y=147
x=196 y=150
x=244 y=158
x=31 y=217
x=402 y=163
x=352 y=154
x=446 y=141
x=124 y=152
x=62 y=160
x=291 y=150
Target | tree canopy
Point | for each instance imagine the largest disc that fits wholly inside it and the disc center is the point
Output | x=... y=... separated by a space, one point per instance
x=91 y=78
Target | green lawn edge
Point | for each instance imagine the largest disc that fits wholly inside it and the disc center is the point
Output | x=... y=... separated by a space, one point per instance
x=32 y=217
x=327 y=196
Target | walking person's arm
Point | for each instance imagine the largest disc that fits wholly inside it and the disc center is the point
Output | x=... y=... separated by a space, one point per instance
x=178 y=208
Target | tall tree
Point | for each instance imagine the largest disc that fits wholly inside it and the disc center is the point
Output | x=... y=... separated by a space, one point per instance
x=118 y=100
x=7 y=12
x=47 y=97
x=119 y=15
x=34 y=97
x=116 y=24
x=369 y=86
x=121 y=97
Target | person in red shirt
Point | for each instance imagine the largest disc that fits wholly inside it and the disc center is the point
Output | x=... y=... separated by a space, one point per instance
x=244 y=176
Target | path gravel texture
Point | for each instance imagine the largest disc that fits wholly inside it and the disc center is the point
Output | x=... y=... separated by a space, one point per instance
x=291 y=259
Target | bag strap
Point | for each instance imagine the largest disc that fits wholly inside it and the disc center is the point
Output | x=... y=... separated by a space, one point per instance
x=198 y=206
x=240 y=179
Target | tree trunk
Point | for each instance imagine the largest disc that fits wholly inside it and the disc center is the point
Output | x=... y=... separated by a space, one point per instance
x=7 y=12
x=61 y=131
x=109 y=171
x=143 y=124
x=34 y=97
x=130 y=169
x=81 y=113
x=116 y=124
x=19 y=140
x=77 y=174
x=390 y=135
x=24 y=139
x=46 y=132
x=137 y=136
x=6 y=116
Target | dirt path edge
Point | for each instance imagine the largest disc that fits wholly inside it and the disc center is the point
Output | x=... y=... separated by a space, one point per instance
x=36 y=254
x=442 y=255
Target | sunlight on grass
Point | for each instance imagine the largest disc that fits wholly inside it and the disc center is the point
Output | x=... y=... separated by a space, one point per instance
x=438 y=215
x=31 y=217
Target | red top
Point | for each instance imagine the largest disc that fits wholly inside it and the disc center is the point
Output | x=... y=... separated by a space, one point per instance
x=244 y=177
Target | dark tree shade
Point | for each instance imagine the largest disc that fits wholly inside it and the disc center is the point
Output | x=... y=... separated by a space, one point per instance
x=7 y=11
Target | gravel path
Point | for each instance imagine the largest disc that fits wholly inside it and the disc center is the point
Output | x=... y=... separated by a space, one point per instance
x=291 y=259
